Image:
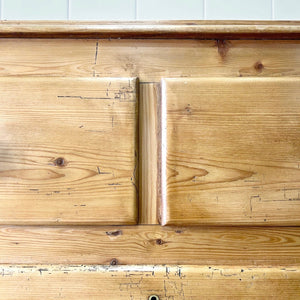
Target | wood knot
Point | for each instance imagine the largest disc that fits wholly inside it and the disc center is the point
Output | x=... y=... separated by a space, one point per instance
x=60 y=162
x=114 y=233
x=259 y=66
x=159 y=242
x=113 y=262
x=223 y=47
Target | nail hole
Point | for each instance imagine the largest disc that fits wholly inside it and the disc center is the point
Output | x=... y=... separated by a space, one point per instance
x=59 y=162
x=153 y=297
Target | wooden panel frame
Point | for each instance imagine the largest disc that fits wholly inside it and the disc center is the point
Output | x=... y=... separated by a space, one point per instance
x=141 y=282
x=150 y=245
x=243 y=262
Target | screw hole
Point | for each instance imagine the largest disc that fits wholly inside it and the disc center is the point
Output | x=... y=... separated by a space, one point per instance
x=114 y=262
x=153 y=297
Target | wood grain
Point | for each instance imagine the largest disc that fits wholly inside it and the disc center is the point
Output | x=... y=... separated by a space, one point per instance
x=140 y=282
x=150 y=60
x=150 y=29
x=68 y=150
x=232 y=152
x=148 y=131
x=150 y=245
x=98 y=136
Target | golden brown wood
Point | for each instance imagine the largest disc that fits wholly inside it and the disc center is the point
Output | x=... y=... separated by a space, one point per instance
x=148 y=245
x=68 y=150
x=150 y=29
x=232 y=151
x=139 y=282
x=148 y=59
x=148 y=132
x=219 y=262
x=55 y=57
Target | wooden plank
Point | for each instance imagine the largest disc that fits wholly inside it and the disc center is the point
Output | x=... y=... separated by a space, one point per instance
x=148 y=59
x=232 y=152
x=152 y=60
x=58 y=57
x=148 y=132
x=68 y=150
x=141 y=282
x=150 y=29
x=150 y=244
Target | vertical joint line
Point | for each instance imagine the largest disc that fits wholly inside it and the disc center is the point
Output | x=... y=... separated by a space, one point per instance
x=1 y=10
x=135 y=9
x=163 y=152
x=68 y=8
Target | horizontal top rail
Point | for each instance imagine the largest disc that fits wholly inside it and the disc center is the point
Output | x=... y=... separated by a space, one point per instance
x=152 y=29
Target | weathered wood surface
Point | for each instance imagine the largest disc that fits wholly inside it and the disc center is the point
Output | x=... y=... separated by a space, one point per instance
x=212 y=262
x=232 y=151
x=148 y=59
x=152 y=29
x=68 y=150
x=150 y=244
x=148 y=158
x=140 y=282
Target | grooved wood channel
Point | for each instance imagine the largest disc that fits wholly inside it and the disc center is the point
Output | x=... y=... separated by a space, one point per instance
x=101 y=123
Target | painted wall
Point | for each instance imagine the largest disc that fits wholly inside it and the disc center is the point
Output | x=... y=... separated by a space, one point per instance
x=150 y=9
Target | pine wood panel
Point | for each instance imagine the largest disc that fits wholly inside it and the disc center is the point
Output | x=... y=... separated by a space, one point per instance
x=232 y=151
x=68 y=150
x=148 y=167
x=141 y=282
x=148 y=59
x=150 y=244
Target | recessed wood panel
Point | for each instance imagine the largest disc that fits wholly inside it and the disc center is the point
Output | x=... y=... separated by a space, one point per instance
x=68 y=150
x=231 y=151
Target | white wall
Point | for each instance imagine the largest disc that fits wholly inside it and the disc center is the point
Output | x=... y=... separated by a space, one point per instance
x=150 y=9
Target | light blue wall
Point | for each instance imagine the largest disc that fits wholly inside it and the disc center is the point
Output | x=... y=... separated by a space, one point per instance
x=150 y=9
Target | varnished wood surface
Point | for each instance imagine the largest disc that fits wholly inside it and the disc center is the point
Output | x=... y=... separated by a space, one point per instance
x=149 y=60
x=232 y=151
x=150 y=245
x=120 y=262
x=152 y=29
x=68 y=150
x=149 y=156
x=140 y=282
